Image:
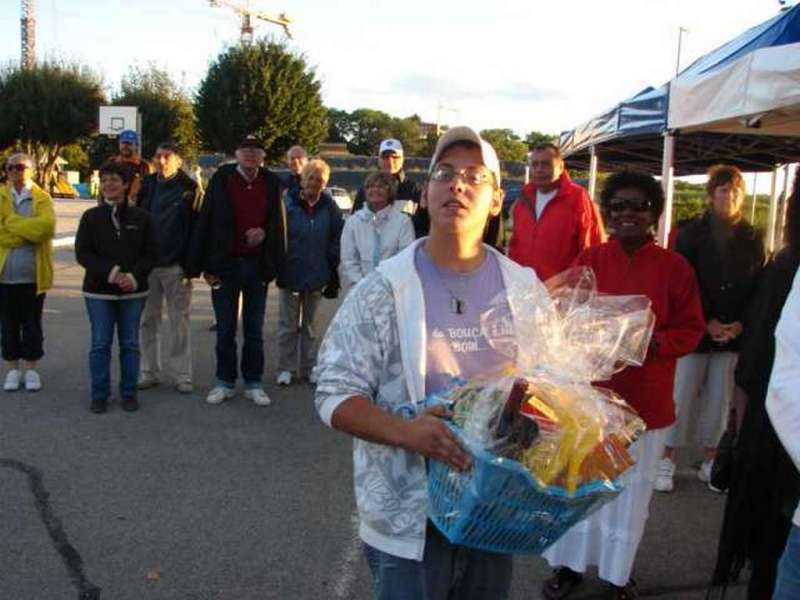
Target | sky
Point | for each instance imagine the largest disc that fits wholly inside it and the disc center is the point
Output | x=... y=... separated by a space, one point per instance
x=521 y=64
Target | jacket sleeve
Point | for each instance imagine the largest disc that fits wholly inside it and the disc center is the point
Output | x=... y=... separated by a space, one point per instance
x=198 y=240
x=351 y=355
x=193 y=197
x=10 y=240
x=590 y=226
x=783 y=397
x=335 y=239
x=351 y=263
x=36 y=229
x=96 y=265
x=149 y=257
x=681 y=334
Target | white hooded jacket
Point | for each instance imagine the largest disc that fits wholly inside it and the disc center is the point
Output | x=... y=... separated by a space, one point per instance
x=369 y=238
x=375 y=347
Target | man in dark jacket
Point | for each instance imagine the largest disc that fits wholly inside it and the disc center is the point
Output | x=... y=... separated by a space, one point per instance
x=173 y=200
x=390 y=161
x=296 y=159
x=238 y=244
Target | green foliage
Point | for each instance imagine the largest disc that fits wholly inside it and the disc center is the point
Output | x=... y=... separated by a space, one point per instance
x=77 y=157
x=166 y=109
x=506 y=143
x=534 y=138
x=365 y=128
x=46 y=108
x=338 y=126
x=264 y=89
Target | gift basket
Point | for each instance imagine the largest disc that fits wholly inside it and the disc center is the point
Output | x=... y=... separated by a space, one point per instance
x=548 y=447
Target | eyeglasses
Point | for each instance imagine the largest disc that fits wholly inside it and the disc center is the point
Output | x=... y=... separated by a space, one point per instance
x=20 y=167
x=391 y=156
x=634 y=204
x=471 y=175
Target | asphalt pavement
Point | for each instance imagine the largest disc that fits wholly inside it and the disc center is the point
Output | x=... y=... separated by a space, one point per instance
x=183 y=500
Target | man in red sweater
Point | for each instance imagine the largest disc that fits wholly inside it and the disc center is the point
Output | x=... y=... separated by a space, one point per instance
x=554 y=218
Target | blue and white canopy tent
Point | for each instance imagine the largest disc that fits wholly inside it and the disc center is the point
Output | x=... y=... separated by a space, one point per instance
x=739 y=104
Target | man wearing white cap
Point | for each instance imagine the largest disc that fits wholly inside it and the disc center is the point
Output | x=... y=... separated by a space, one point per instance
x=390 y=161
x=413 y=324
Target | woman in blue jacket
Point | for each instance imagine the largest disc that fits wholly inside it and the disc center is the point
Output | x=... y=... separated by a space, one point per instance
x=313 y=228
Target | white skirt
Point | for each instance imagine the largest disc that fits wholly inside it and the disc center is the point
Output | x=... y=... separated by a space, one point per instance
x=609 y=537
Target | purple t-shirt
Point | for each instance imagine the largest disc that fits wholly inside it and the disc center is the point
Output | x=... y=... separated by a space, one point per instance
x=460 y=309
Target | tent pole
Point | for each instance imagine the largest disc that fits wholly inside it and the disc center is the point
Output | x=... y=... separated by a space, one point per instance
x=592 y=171
x=784 y=202
x=667 y=171
x=755 y=199
x=773 y=210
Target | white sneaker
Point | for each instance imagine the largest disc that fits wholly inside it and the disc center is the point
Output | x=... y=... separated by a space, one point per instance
x=33 y=383
x=219 y=394
x=258 y=396
x=704 y=473
x=284 y=378
x=665 y=476
x=13 y=380
x=312 y=377
x=146 y=381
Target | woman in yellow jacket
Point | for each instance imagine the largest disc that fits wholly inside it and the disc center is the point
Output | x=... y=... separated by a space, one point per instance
x=27 y=226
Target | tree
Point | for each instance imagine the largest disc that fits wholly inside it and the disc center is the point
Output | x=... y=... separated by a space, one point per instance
x=46 y=108
x=368 y=128
x=534 y=138
x=263 y=89
x=166 y=109
x=506 y=143
x=339 y=126
x=365 y=128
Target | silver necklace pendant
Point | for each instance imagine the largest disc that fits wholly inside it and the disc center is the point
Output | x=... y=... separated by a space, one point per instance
x=456 y=305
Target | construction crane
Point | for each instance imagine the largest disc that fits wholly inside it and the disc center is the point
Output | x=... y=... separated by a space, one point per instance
x=242 y=8
x=28 y=35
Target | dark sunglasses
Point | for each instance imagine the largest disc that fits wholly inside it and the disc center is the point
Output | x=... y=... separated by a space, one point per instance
x=17 y=167
x=634 y=204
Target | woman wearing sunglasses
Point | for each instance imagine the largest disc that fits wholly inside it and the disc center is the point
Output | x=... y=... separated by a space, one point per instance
x=631 y=263
x=27 y=226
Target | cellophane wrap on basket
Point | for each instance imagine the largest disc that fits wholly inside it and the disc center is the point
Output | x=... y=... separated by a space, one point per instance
x=548 y=447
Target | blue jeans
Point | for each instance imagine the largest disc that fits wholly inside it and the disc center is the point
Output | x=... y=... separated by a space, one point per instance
x=245 y=281
x=446 y=572
x=104 y=316
x=787 y=585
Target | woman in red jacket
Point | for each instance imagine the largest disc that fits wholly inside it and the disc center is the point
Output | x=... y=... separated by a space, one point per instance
x=631 y=263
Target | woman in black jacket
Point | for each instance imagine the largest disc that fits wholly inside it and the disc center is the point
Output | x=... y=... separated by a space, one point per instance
x=116 y=245
x=727 y=254
x=765 y=484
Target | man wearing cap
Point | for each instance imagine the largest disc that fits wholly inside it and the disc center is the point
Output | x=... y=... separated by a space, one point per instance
x=412 y=325
x=554 y=218
x=129 y=155
x=390 y=161
x=239 y=245
x=173 y=200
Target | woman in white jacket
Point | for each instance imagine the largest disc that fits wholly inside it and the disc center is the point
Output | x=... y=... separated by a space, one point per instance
x=374 y=233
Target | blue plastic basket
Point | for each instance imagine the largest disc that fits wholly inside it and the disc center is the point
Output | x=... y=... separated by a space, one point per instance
x=499 y=506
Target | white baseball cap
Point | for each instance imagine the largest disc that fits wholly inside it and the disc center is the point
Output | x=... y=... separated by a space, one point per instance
x=467 y=134
x=391 y=145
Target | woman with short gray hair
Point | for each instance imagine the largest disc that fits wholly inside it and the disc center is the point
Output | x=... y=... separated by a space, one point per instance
x=375 y=232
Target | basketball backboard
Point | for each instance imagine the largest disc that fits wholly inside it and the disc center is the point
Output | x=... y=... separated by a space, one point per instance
x=114 y=119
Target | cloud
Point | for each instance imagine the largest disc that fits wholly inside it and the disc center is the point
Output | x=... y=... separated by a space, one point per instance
x=455 y=89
